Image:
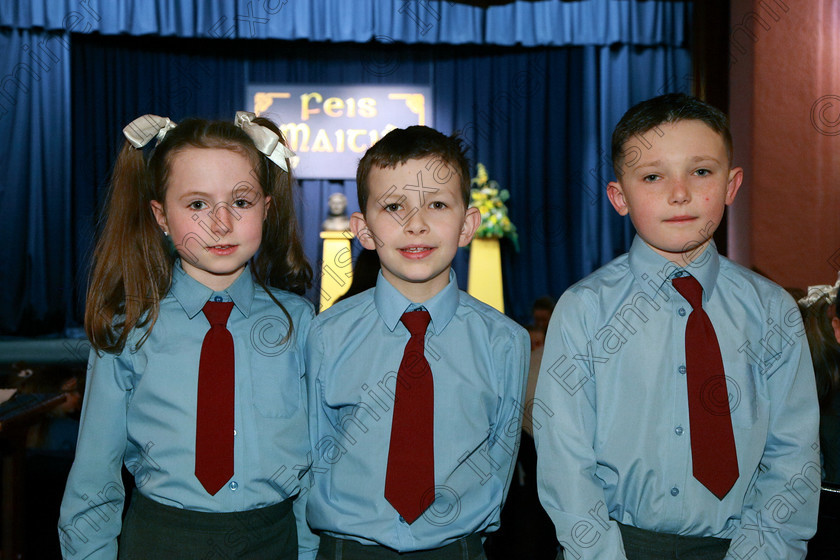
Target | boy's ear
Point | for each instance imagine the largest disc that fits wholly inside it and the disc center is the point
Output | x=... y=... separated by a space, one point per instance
x=736 y=176
x=616 y=195
x=358 y=226
x=472 y=220
x=160 y=215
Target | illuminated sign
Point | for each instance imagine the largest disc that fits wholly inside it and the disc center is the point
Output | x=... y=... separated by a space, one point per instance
x=330 y=127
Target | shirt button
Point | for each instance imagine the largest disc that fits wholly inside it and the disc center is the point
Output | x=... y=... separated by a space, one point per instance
x=681 y=369
x=402 y=519
x=681 y=311
x=675 y=491
x=678 y=430
x=233 y=485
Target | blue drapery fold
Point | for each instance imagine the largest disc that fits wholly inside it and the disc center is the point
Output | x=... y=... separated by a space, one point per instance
x=38 y=266
x=526 y=23
x=539 y=118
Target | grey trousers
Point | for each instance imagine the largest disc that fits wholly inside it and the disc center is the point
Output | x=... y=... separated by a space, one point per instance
x=640 y=544
x=153 y=531
x=469 y=548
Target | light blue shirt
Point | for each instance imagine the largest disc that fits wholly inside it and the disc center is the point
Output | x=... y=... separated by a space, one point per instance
x=611 y=411
x=140 y=409
x=478 y=358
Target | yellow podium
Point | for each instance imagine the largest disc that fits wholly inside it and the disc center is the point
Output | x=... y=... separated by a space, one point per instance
x=485 y=273
x=336 y=266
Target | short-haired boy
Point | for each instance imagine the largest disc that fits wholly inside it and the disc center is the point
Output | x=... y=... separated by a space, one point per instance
x=415 y=386
x=684 y=406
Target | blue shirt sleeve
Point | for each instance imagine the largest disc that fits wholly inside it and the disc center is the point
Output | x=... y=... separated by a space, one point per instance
x=307 y=540
x=513 y=358
x=780 y=512
x=90 y=523
x=564 y=434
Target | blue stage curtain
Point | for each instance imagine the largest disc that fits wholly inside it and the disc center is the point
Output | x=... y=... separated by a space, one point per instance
x=540 y=119
x=527 y=23
x=39 y=261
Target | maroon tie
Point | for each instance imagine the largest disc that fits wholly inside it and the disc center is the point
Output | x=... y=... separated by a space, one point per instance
x=713 y=457
x=410 y=480
x=214 y=417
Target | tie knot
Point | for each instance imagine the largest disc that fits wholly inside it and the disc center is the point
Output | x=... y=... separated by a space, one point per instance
x=416 y=321
x=690 y=289
x=217 y=312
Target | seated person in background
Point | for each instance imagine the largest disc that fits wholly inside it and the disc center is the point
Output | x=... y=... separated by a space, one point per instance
x=537 y=336
x=819 y=314
x=50 y=448
x=58 y=431
x=685 y=419
x=541 y=312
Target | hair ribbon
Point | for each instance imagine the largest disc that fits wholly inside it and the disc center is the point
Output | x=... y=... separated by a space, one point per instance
x=264 y=139
x=143 y=129
x=816 y=293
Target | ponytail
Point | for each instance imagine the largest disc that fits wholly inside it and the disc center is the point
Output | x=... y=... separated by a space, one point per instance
x=131 y=268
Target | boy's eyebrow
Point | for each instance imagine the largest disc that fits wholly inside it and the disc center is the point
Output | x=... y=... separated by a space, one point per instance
x=657 y=163
x=705 y=158
x=440 y=193
x=393 y=194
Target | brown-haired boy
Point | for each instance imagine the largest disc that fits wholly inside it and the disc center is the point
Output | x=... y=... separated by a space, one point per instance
x=685 y=414
x=415 y=386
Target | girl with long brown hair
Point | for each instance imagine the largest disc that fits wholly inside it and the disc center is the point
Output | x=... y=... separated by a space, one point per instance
x=195 y=379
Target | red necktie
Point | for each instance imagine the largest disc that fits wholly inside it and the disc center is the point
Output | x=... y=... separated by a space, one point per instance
x=214 y=417
x=410 y=480
x=713 y=456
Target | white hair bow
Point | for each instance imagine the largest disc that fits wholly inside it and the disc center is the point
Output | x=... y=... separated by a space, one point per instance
x=264 y=139
x=143 y=129
x=815 y=293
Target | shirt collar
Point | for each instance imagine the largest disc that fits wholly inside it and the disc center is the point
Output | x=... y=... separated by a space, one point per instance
x=192 y=294
x=653 y=272
x=391 y=304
